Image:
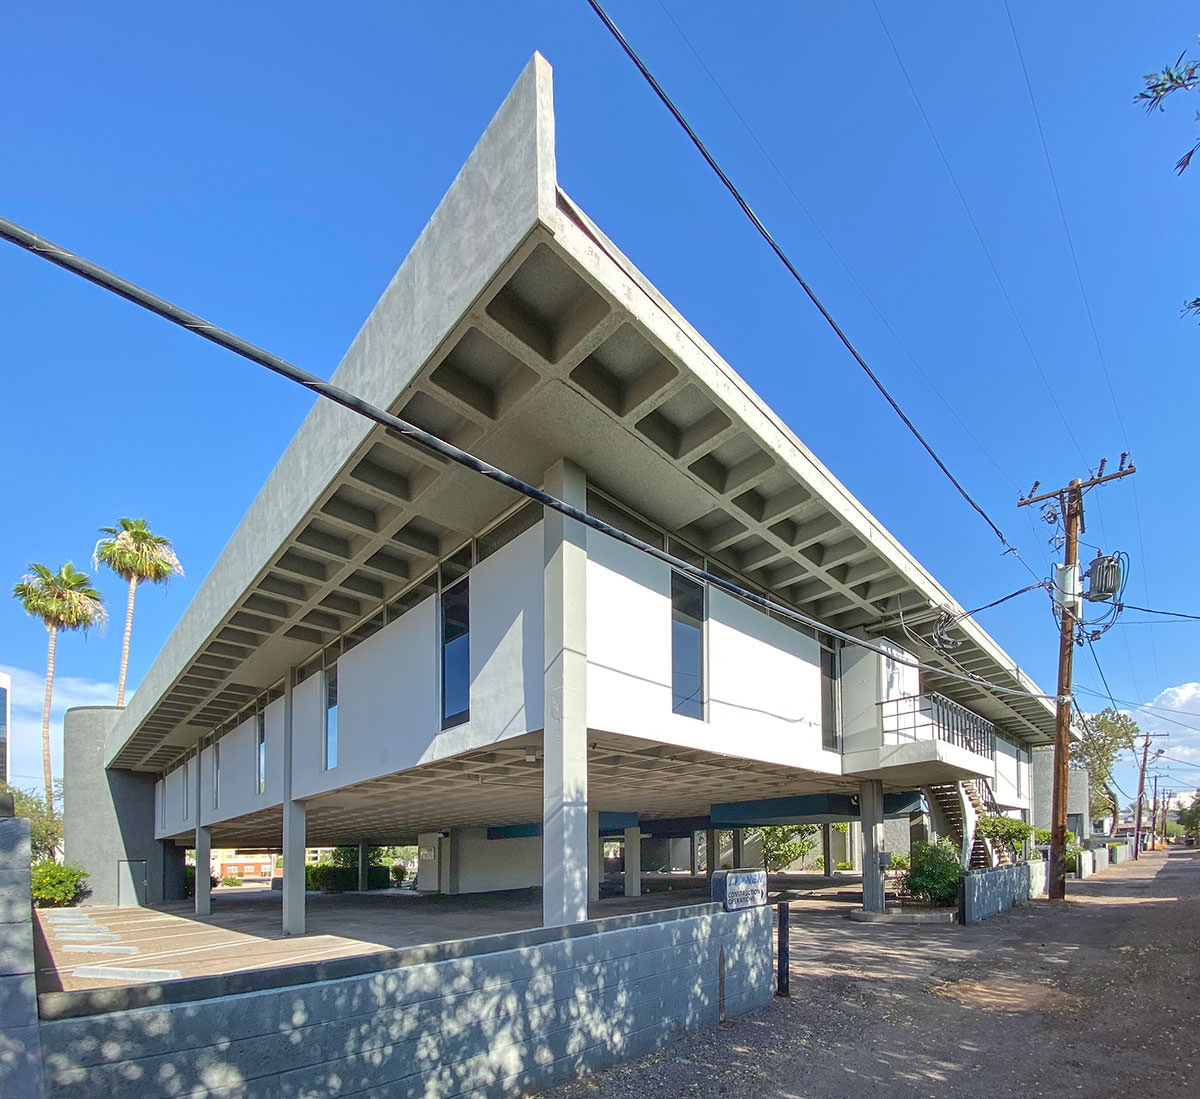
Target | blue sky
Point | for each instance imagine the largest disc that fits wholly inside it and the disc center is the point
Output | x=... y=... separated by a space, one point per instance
x=268 y=166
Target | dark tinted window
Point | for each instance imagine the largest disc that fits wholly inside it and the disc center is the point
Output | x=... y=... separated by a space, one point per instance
x=829 y=699
x=456 y=655
x=687 y=646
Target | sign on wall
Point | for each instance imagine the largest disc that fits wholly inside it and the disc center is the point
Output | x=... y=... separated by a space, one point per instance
x=737 y=889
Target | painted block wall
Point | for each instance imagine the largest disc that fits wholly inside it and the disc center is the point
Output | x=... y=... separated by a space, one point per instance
x=763 y=677
x=514 y=1015
x=20 y=1039
x=171 y=815
x=389 y=690
x=479 y=864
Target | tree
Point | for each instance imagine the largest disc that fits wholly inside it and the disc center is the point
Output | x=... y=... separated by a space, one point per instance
x=1183 y=76
x=64 y=600
x=1189 y=819
x=1106 y=735
x=45 y=827
x=136 y=554
x=783 y=846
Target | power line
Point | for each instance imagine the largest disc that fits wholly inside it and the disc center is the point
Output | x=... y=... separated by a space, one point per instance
x=791 y=267
x=53 y=253
x=833 y=250
x=1169 y=614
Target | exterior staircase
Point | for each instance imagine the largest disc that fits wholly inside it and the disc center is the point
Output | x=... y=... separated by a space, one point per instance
x=954 y=808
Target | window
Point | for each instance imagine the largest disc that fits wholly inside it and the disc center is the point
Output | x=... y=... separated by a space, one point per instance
x=183 y=794
x=331 y=722
x=830 y=708
x=687 y=647
x=216 y=754
x=456 y=655
x=260 y=752
x=162 y=804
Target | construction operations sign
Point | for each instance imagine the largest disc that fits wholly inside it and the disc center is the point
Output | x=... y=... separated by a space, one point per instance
x=739 y=888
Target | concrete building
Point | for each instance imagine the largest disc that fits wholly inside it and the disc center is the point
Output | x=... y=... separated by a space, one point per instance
x=392 y=649
x=1079 y=814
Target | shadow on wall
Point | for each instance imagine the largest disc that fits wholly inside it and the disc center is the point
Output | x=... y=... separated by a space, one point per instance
x=527 y=1009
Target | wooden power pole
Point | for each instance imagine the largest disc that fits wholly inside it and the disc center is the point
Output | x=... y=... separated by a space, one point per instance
x=1070 y=503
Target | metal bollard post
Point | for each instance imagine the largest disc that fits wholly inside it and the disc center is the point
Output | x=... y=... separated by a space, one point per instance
x=783 y=974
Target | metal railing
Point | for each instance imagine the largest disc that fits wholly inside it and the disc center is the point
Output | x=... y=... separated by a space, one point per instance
x=933 y=716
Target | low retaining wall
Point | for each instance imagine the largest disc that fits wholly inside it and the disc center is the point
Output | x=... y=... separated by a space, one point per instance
x=20 y=1045
x=495 y=1015
x=1118 y=853
x=1038 y=877
x=989 y=892
x=1099 y=859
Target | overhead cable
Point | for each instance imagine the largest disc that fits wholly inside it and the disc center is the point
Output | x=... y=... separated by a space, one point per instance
x=59 y=256
x=791 y=267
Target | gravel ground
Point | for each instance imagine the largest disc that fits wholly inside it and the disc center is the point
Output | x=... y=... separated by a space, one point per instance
x=1096 y=996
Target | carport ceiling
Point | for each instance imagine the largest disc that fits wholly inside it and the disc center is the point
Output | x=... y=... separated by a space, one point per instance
x=503 y=785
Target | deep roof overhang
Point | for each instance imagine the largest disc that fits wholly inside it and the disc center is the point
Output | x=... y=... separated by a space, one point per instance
x=517 y=330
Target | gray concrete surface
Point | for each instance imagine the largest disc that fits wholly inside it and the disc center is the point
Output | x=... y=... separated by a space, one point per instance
x=514 y=1015
x=108 y=816
x=20 y=1043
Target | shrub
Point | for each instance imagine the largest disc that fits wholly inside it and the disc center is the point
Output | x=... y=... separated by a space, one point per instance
x=842 y=866
x=900 y=862
x=820 y=862
x=55 y=885
x=324 y=877
x=398 y=873
x=189 y=881
x=1041 y=836
x=934 y=873
x=231 y=879
x=1005 y=830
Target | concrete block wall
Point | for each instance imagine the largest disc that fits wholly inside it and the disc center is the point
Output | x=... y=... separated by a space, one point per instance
x=20 y=1043
x=987 y=893
x=503 y=1015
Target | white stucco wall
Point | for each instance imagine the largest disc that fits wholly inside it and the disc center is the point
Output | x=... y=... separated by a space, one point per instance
x=868 y=679
x=238 y=792
x=389 y=691
x=764 y=678
x=1004 y=784
x=482 y=864
x=170 y=789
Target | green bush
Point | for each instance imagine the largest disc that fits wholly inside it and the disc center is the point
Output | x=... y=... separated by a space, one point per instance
x=56 y=885
x=900 y=862
x=1005 y=830
x=189 y=881
x=820 y=862
x=231 y=879
x=1041 y=836
x=842 y=866
x=398 y=873
x=934 y=873
x=325 y=877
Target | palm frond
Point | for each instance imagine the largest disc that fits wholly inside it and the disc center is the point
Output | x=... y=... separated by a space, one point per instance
x=64 y=600
x=134 y=552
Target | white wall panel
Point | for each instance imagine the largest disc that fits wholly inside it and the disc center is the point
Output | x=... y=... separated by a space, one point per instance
x=764 y=679
x=389 y=690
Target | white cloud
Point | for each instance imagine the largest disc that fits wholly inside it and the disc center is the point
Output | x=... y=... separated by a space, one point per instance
x=25 y=733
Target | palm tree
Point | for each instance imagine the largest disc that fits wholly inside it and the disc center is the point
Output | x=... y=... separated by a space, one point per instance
x=64 y=600
x=135 y=553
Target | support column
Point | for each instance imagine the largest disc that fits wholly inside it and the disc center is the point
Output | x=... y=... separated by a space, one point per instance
x=712 y=853
x=695 y=854
x=564 y=777
x=203 y=870
x=362 y=867
x=294 y=828
x=595 y=851
x=739 y=848
x=203 y=847
x=827 y=848
x=870 y=800
x=633 y=861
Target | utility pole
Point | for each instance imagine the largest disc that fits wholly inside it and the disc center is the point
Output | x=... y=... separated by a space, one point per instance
x=1070 y=502
x=1154 y=816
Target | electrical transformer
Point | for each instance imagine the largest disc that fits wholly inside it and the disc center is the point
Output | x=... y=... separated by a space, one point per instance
x=1104 y=578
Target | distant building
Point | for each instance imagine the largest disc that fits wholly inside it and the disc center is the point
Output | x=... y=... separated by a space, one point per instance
x=1079 y=817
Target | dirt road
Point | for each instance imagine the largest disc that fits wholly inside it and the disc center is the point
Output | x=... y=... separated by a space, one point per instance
x=1097 y=996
